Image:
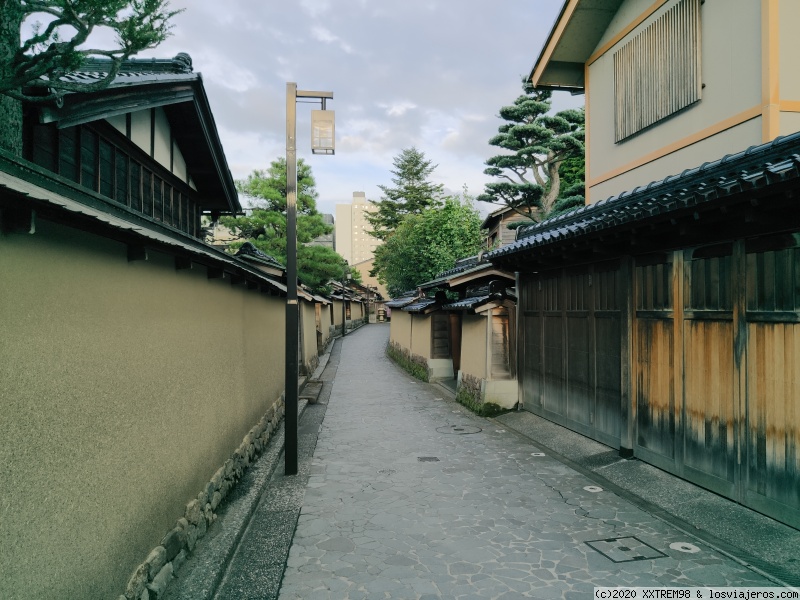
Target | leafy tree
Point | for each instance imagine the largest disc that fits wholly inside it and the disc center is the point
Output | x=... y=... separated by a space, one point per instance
x=537 y=144
x=428 y=243
x=265 y=224
x=34 y=69
x=411 y=193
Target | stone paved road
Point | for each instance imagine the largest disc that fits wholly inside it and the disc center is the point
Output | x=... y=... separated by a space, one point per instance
x=412 y=496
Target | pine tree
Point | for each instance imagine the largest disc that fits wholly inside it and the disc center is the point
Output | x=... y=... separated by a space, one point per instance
x=411 y=193
x=34 y=69
x=265 y=223
x=537 y=144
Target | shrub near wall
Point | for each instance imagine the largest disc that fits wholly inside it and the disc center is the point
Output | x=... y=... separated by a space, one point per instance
x=412 y=363
x=469 y=395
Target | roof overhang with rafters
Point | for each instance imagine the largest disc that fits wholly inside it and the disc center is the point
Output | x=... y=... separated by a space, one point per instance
x=575 y=35
x=170 y=84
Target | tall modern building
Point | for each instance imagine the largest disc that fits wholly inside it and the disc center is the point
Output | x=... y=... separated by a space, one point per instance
x=353 y=241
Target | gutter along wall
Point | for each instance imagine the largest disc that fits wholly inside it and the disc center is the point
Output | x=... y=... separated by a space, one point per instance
x=125 y=386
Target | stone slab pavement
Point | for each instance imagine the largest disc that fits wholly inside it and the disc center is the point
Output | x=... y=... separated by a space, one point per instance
x=410 y=495
x=402 y=493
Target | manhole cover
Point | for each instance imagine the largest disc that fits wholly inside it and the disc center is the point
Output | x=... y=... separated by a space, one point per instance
x=593 y=488
x=625 y=549
x=427 y=459
x=459 y=429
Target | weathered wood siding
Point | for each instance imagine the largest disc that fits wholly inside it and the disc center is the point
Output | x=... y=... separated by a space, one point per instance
x=570 y=360
x=714 y=359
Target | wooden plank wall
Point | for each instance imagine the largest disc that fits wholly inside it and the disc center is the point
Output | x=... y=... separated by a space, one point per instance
x=714 y=360
x=570 y=361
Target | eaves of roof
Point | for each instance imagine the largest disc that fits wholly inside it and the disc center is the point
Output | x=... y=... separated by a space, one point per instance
x=401 y=301
x=573 y=38
x=708 y=187
x=467 y=303
x=151 y=83
x=424 y=305
x=29 y=187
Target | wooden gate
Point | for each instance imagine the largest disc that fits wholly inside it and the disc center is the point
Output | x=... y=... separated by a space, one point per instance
x=570 y=365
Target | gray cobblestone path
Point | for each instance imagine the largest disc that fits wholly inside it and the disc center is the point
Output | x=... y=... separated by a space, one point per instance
x=412 y=496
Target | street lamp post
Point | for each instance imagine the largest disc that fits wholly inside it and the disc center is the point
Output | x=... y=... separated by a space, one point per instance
x=322 y=142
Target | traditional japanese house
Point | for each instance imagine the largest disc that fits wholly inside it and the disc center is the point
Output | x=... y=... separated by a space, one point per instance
x=664 y=319
x=496 y=225
x=135 y=358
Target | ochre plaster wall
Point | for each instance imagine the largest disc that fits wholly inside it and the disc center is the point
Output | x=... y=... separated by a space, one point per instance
x=421 y=335
x=473 y=345
x=400 y=328
x=309 y=330
x=337 y=313
x=325 y=323
x=125 y=386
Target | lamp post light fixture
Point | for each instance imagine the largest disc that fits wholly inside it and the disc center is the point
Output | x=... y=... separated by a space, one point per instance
x=322 y=143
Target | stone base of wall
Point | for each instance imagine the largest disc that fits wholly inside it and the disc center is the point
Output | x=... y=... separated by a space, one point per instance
x=150 y=579
x=486 y=397
x=440 y=368
x=412 y=363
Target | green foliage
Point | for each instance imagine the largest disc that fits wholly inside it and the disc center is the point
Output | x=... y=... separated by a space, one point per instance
x=482 y=409
x=412 y=193
x=265 y=223
x=428 y=243
x=539 y=148
x=58 y=48
x=413 y=365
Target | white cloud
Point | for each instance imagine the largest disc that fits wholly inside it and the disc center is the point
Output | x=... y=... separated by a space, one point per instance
x=398 y=109
x=321 y=34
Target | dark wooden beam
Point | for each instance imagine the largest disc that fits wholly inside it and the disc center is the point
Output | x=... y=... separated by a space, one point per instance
x=216 y=272
x=182 y=263
x=17 y=220
x=136 y=252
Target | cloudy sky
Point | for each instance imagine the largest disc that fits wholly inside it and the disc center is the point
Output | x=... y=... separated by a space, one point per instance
x=425 y=73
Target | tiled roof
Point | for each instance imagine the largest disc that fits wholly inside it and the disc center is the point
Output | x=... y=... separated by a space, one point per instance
x=467 y=303
x=250 y=252
x=750 y=170
x=403 y=300
x=136 y=71
x=420 y=305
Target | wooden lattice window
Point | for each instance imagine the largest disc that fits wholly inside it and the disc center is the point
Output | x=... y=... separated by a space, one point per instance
x=657 y=72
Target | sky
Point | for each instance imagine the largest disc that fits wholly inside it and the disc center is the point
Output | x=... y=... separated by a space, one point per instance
x=431 y=74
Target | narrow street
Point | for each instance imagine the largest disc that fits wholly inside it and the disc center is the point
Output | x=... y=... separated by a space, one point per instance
x=410 y=496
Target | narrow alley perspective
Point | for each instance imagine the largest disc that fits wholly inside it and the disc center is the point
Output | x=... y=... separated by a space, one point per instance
x=405 y=494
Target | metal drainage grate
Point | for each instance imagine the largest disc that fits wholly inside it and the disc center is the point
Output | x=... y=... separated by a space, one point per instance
x=427 y=459
x=459 y=429
x=625 y=549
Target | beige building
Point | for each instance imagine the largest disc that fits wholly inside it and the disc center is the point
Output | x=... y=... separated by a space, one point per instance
x=353 y=240
x=721 y=76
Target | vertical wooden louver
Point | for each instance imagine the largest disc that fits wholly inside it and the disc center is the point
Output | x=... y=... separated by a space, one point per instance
x=657 y=72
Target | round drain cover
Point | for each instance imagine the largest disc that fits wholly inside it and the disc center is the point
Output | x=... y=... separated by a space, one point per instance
x=459 y=429
x=593 y=488
x=685 y=547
